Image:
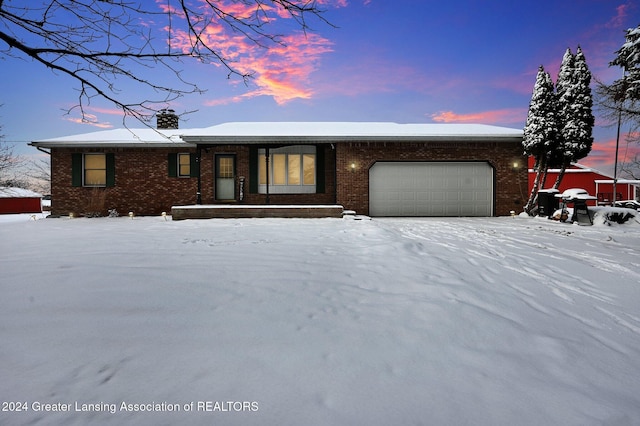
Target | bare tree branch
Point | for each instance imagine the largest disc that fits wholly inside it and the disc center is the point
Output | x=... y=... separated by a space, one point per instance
x=102 y=43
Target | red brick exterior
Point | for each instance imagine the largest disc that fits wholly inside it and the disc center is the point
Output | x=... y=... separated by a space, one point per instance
x=353 y=187
x=143 y=185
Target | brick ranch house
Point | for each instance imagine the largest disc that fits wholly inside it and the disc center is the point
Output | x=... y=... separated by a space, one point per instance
x=378 y=169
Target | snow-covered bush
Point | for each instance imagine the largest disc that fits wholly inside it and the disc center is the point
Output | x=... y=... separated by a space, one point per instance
x=615 y=215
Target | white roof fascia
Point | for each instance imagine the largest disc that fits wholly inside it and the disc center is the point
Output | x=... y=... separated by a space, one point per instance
x=621 y=181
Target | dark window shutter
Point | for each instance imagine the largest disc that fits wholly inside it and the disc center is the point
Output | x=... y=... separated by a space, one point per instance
x=111 y=169
x=253 y=170
x=194 y=166
x=320 y=173
x=76 y=169
x=172 y=161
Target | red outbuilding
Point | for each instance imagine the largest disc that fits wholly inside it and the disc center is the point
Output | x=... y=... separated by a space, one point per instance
x=18 y=200
x=594 y=182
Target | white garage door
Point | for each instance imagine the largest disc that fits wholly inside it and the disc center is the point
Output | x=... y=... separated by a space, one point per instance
x=431 y=189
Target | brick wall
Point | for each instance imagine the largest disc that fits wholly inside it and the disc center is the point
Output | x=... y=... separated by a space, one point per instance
x=353 y=183
x=142 y=183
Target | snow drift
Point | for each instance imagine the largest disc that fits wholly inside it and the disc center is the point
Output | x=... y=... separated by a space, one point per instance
x=496 y=321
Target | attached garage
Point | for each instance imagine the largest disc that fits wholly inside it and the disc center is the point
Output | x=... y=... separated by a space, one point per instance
x=431 y=189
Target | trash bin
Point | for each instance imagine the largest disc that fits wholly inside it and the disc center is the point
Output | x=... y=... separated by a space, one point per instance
x=548 y=203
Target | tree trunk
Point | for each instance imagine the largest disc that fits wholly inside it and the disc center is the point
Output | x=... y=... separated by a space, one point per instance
x=533 y=196
x=563 y=169
x=543 y=181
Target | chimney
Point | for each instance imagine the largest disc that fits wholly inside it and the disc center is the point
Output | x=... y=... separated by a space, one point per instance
x=166 y=119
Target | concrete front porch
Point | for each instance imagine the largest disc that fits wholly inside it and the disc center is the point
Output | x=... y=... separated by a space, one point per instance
x=231 y=211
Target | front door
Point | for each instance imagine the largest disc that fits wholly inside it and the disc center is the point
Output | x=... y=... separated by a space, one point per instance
x=225 y=177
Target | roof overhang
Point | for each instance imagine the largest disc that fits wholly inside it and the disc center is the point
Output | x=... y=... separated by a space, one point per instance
x=108 y=144
x=279 y=133
x=336 y=132
x=118 y=138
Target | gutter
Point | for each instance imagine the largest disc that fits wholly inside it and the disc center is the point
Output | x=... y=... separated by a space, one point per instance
x=41 y=149
x=106 y=144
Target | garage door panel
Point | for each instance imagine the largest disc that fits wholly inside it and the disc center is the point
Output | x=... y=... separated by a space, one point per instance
x=431 y=189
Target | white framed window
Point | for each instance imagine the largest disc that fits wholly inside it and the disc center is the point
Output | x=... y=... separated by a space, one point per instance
x=292 y=170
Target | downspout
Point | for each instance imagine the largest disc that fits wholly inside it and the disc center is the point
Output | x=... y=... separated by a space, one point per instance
x=39 y=148
x=199 y=190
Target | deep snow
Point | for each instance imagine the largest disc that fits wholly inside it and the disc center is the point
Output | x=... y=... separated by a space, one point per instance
x=477 y=321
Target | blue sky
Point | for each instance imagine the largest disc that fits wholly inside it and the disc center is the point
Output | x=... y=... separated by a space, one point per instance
x=402 y=60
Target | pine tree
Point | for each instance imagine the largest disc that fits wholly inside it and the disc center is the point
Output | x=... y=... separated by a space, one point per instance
x=541 y=130
x=566 y=97
x=628 y=58
x=575 y=105
x=620 y=100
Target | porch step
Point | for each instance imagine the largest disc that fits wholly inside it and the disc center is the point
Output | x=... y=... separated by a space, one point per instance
x=229 y=211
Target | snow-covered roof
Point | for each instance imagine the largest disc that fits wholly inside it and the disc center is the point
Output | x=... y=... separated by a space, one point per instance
x=10 y=192
x=620 y=181
x=576 y=168
x=254 y=132
x=117 y=138
x=261 y=132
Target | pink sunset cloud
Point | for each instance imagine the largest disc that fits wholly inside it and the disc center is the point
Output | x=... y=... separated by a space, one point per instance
x=91 y=116
x=280 y=70
x=91 y=120
x=283 y=71
x=598 y=44
x=335 y=3
x=602 y=155
x=509 y=115
x=622 y=12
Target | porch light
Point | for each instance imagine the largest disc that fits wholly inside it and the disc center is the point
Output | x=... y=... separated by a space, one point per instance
x=353 y=167
x=515 y=166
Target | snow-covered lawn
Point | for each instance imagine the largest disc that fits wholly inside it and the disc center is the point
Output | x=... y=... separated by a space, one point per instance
x=490 y=321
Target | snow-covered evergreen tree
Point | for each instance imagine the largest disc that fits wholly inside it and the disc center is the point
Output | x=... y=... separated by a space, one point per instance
x=541 y=129
x=584 y=107
x=620 y=100
x=575 y=111
x=628 y=58
x=566 y=97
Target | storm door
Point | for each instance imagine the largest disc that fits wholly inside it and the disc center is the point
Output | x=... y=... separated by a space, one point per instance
x=225 y=177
